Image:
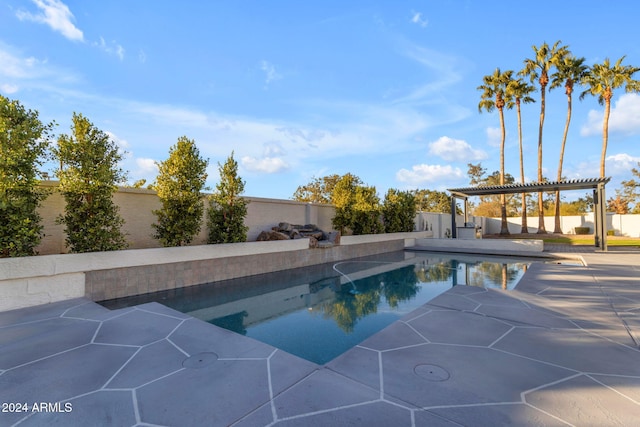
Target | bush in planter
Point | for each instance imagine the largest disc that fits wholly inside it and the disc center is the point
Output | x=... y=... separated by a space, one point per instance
x=582 y=230
x=611 y=232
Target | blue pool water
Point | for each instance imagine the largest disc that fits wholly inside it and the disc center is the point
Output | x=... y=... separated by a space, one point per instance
x=319 y=312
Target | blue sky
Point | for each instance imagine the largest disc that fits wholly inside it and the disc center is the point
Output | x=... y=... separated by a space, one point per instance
x=297 y=90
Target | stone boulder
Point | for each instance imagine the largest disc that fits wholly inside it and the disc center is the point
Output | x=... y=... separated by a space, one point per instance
x=266 y=236
x=317 y=237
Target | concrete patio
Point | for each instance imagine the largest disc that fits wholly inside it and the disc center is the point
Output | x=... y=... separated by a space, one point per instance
x=562 y=349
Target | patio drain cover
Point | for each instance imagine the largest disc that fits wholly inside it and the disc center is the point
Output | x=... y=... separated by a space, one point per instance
x=200 y=360
x=431 y=372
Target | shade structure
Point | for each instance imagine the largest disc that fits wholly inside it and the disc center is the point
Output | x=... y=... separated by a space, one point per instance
x=595 y=184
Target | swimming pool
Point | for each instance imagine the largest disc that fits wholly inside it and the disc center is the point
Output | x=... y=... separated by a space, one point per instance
x=319 y=312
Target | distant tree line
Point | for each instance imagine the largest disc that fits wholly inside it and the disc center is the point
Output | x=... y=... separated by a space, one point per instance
x=359 y=209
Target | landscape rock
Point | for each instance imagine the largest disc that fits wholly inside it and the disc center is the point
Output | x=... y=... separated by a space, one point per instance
x=317 y=237
x=266 y=236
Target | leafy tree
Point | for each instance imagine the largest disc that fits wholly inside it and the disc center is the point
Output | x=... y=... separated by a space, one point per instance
x=366 y=211
x=319 y=190
x=630 y=191
x=570 y=70
x=24 y=141
x=180 y=180
x=538 y=68
x=398 y=211
x=491 y=206
x=519 y=91
x=476 y=174
x=618 y=204
x=89 y=176
x=343 y=198
x=601 y=80
x=227 y=209
x=577 y=207
x=495 y=95
x=357 y=206
x=432 y=201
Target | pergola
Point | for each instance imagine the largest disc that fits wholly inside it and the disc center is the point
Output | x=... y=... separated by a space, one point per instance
x=596 y=184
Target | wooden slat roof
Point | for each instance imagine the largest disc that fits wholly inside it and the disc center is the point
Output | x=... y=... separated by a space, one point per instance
x=532 y=187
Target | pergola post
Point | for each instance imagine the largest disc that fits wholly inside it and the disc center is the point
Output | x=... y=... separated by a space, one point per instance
x=603 y=217
x=453 y=217
x=596 y=218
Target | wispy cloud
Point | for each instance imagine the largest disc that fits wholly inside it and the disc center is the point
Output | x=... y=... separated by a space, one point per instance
x=59 y=18
x=270 y=72
x=56 y=15
x=625 y=117
x=417 y=18
x=12 y=65
x=455 y=150
x=8 y=88
x=18 y=72
x=112 y=48
x=444 y=70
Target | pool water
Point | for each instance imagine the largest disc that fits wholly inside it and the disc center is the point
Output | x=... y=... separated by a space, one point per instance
x=319 y=312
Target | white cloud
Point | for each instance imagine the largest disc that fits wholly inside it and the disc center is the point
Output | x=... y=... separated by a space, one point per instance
x=620 y=164
x=56 y=15
x=8 y=88
x=142 y=56
x=122 y=144
x=416 y=18
x=455 y=150
x=112 y=49
x=146 y=166
x=270 y=72
x=624 y=118
x=265 y=164
x=271 y=161
x=494 y=137
x=422 y=174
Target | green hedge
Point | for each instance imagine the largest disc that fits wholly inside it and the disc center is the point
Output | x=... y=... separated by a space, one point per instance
x=582 y=230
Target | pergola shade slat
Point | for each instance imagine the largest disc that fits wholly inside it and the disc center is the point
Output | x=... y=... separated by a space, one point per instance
x=532 y=187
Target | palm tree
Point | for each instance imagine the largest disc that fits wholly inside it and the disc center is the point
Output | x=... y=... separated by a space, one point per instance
x=601 y=80
x=538 y=68
x=570 y=70
x=520 y=90
x=494 y=95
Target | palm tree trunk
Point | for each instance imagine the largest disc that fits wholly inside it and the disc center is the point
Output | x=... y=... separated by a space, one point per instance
x=504 y=227
x=541 y=228
x=557 y=228
x=524 y=229
x=605 y=135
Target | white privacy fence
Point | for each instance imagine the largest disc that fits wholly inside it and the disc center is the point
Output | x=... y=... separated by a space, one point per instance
x=621 y=225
